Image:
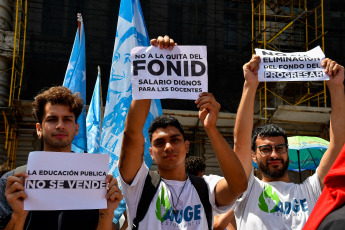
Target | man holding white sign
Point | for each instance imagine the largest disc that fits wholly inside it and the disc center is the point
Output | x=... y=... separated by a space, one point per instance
x=275 y=202
x=56 y=111
x=177 y=202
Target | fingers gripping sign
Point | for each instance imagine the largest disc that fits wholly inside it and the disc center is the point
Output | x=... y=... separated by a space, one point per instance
x=250 y=70
x=334 y=71
x=163 y=42
x=15 y=192
x=208 y=109
x=114 y=194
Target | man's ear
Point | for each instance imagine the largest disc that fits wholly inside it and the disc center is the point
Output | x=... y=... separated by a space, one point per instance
x=187 y=144
x=39 y=130
x=76 y=129
x=254 y=156
x=150 y=150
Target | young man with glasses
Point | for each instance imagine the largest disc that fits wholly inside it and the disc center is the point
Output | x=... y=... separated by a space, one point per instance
x=265 y=154
x=275 y=202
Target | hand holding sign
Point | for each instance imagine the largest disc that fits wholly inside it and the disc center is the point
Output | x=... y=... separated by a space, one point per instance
x=114 y=196
x=163 y=42
x=15 y=194
x=335 y=73
x=250 y=70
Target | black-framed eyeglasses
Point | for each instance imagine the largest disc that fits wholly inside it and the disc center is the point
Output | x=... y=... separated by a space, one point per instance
x=268 y=149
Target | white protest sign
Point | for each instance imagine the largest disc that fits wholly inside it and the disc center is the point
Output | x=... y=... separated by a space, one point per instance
x=298 y=66
x=64 y=181
x=160 y=73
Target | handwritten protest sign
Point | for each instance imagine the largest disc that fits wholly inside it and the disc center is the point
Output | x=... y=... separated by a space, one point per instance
x=63 y=181
x=159 y=73
x=298 y=66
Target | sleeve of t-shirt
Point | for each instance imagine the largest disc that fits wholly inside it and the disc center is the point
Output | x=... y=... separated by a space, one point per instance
x=212 y=181
x=250 y=185
x=132 y=192
x=313 y=183
x=244 y=197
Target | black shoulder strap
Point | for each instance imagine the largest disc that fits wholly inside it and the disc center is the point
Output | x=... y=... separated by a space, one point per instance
x=150 y=188
x=202 y=189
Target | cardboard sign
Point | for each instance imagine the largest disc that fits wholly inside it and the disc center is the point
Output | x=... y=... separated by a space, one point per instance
x=298 y=66
x=64 y=181
x=160 y=73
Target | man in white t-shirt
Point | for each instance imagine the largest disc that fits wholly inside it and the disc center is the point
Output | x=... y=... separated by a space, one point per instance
x=176 y=204
x=275 y=202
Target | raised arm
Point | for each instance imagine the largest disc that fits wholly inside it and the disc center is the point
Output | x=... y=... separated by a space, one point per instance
x=337 y=125
x=133 y=143
x=245 y=115
x=235 y=181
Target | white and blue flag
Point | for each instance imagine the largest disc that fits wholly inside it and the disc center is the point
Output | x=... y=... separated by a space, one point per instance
x=75 y=80
x=131 y=32
x=93 y=118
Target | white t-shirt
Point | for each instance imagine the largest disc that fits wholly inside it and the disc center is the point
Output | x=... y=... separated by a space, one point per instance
x=276 y=205
x=190 y=211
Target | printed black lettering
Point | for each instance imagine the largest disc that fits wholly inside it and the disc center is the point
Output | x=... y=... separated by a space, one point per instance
x=176 y=69
x=194 y=64
x=150 y=67
x=136 y=66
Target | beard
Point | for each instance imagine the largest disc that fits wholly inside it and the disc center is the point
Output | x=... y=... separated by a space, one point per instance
x=275 y=173
x=55 y=144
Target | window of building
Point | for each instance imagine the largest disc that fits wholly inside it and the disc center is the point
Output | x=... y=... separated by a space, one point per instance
x=230 y=30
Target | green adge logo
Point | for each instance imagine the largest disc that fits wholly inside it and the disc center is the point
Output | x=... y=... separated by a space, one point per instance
x=268 y=199
x=269 y=202
x=162 y=201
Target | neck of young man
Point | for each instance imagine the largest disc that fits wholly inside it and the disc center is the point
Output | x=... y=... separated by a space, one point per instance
x=67 y=149
x=284 y=178
x=175 y=174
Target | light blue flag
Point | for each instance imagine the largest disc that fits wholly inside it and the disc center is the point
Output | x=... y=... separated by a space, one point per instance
x=93 y=118
x=75 y=80
x=131 y=32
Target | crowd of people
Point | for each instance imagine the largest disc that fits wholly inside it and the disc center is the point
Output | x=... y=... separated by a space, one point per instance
x=180 y=196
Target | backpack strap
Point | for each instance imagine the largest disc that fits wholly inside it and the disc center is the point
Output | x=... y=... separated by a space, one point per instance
x=202 y=189
x=152 y=182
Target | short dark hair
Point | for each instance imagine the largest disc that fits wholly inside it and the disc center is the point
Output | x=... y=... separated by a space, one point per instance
x=164 y=121
x=57 y=95
x=195 y=165
x=267 y=130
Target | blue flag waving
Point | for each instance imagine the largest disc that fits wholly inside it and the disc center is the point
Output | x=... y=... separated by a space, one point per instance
x=75 y=80
x=131 y=32
x=93 y=118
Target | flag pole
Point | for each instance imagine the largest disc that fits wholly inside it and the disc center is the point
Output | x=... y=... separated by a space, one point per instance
x=100 y=93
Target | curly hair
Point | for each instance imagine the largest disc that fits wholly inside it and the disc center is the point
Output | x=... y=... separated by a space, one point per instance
x=164 y=121
x=57 y=95
x=194 y=165
x=4 y=169
x=267 y=130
